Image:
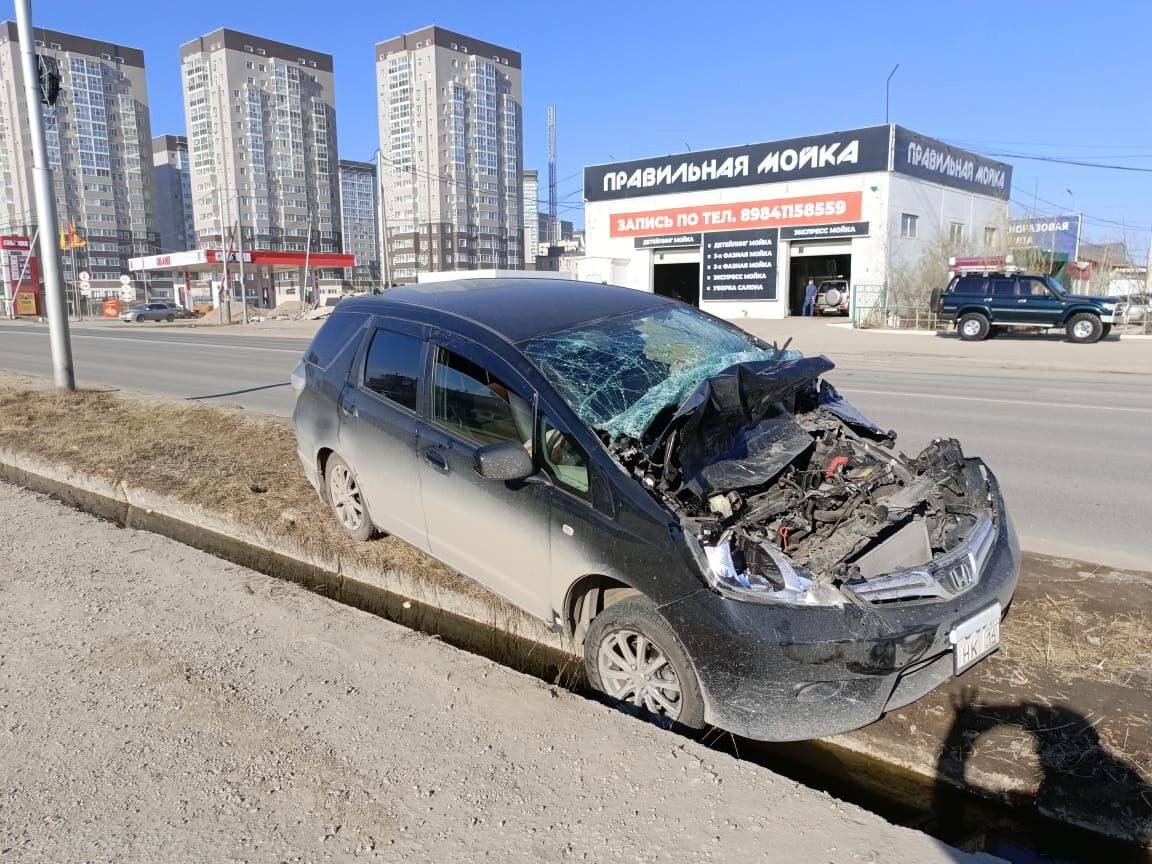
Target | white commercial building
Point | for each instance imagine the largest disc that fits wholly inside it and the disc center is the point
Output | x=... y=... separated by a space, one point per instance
x=739 y=231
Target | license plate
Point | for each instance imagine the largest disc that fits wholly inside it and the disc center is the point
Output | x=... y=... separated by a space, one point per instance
x=975 y=638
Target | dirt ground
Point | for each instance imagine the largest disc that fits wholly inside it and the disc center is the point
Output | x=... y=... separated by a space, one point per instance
x=159 y=704
x=1060 y=719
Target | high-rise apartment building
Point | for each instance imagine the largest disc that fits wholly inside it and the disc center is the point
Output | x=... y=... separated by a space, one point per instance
x=99 y=148
x=358 y=217
x=173 y=183
x=261 y=121
x=528 y=209
x=451 y=153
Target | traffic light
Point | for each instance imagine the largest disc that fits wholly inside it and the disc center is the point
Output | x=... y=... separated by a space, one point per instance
x=49 y=82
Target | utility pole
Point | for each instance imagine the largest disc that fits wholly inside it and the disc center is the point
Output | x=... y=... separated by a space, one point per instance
x=387 y=265
x=307 y=266
x=887 y=88
x=227 y=304
x=62 y=370
x=553 y=225
x=240 y=257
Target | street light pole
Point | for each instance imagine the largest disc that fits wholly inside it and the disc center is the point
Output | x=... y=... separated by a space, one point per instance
x=887 y=86
x=62 y=370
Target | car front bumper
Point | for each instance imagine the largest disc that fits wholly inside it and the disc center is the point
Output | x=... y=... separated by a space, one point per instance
x=786 y=673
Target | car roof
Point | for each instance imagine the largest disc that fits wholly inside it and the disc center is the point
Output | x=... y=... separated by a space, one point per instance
x=518 y=308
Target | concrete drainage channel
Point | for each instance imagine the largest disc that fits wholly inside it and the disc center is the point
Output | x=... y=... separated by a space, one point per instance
x=954 y=815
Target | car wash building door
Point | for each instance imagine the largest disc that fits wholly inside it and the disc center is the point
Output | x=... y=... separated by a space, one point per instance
x=676 y=274
x=817 y=260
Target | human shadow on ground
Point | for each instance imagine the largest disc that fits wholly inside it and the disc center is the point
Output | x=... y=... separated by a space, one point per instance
x=1081 y=780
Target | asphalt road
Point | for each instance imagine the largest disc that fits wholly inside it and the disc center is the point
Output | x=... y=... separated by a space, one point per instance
x=1073 y=450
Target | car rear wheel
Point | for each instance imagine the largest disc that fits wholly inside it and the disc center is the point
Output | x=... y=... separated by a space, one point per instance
x=169 y=317
x=1085 y=328
x=346 y=501
x=632 y=656
x=973 y=327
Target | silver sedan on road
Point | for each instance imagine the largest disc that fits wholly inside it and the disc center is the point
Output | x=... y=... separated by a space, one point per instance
x=153 y=312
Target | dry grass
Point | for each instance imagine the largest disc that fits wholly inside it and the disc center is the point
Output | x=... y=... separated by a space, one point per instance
x=1079 y=641
x=240 y=465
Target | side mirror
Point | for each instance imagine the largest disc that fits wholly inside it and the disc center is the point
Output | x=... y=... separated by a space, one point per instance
x=504 y=461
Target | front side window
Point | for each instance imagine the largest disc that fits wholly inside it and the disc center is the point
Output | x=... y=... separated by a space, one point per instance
x=392 y=367
x=1032 y=287
x=564 y=460
x=471 y=401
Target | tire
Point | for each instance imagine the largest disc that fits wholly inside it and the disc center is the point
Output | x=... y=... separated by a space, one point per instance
x=139 y=319
x=619 y=630
x=832 y=297
x=342 y=490
x=1084 y=328
x=1105 y=329
x=169 y=317
x=973 y=327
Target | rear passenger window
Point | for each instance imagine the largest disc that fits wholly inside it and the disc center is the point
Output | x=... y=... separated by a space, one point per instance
x=332 y=337
x=1003 y=287
x=392 y=367
x=969 y=285
x=470 y=400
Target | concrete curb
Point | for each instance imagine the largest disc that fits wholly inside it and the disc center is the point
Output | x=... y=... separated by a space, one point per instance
x=401 y=596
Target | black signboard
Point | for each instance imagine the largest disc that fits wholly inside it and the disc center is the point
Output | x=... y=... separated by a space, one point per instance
x=740 y=265
x=920 y=156
x=853 y=152
x=824 y=232
x=667 y=241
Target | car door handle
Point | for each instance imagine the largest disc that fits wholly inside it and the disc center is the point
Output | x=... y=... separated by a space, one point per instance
x=434 y=456
x=1022 y=300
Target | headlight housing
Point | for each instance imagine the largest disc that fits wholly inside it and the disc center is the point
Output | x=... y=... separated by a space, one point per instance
x=765 y=576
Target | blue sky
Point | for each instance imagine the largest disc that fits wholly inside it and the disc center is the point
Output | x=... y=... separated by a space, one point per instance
x=638 y=79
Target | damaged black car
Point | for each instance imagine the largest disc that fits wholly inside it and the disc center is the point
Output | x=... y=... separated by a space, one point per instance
x=725 y=539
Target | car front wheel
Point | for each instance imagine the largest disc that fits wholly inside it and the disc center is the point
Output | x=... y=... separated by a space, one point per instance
x=346 y=500
x=169 y=317
x=973 y=327
x=1084 y=328
x=632 y=656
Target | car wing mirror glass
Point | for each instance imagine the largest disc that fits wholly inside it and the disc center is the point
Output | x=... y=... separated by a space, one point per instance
x=504 y=461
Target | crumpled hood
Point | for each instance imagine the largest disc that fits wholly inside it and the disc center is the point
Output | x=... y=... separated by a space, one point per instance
x=737 y=428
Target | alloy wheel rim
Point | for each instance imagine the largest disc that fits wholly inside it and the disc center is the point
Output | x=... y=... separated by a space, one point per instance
x=636 y=670
x=1082 y=329
x=345 y=495
x=971 y=328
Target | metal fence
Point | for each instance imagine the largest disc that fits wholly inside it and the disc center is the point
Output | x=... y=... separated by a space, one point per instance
x=871 y=308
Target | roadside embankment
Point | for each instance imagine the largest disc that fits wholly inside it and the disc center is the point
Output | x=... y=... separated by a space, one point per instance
x=1059 y=721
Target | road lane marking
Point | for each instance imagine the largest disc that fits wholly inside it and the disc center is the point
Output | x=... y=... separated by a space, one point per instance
x=1126 y=409
x=145 y=340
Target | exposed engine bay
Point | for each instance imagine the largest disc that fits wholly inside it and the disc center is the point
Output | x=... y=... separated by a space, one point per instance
x=790 y=492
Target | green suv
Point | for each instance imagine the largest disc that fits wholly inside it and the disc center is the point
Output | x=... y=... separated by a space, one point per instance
x=984 y=304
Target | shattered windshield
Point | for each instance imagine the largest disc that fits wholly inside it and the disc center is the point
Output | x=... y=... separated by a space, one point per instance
x=618 y=374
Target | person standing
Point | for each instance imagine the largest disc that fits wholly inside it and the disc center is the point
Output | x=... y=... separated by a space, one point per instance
x=809 y=299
